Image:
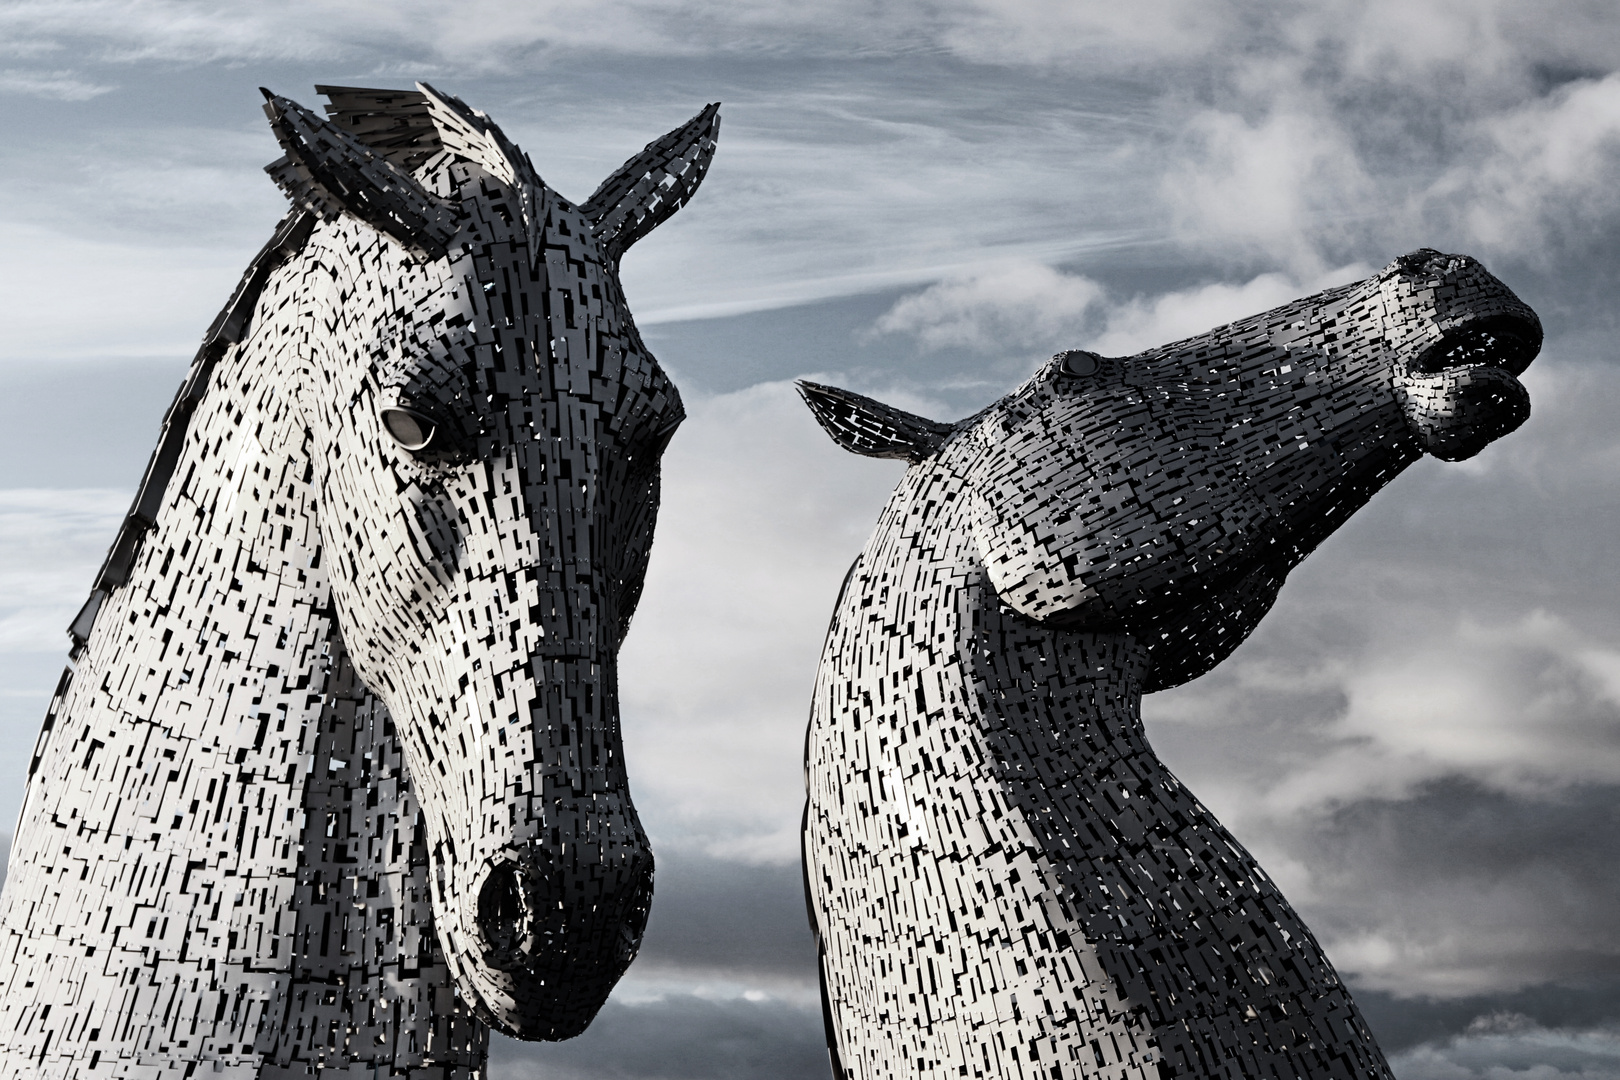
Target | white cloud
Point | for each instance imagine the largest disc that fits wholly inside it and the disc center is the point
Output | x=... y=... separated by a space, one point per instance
x=824 y=190
x=51 y=544
x=1472 y=47
x=1022 y=306
x=168 y=186
x=1302 y=138
x=1528 y=708
x=1000 y=308
x=1063 y=32
x=1144 y=322
x=1549 y=171
x=483 y=35
x=762 y=515
x=1385 y=39
x=840 y=188
x=1292 y=143
x=61 y=85
x=1381 y=39
x=77 y=297
x=1275 y=186
x=490 y=33
x=1513 y=1047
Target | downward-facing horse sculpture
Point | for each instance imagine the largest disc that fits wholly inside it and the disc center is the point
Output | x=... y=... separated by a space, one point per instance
x=335 y=775
x=1005 y=881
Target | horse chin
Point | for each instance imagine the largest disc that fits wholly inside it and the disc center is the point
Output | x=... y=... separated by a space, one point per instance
x=553 y=1014
x=1457 y=412
x=544 y=1003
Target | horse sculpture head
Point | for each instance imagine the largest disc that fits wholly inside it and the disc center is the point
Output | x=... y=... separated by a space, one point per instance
x=984 y=809
x=1169 y=493
x=483 y=426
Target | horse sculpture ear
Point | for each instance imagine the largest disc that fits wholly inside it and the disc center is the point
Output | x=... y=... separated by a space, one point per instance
x=651 y=186
x=870 y=428
x=327 y=171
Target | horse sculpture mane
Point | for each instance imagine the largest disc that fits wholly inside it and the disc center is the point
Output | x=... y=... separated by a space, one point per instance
x=1005 y=881
x=334 y=777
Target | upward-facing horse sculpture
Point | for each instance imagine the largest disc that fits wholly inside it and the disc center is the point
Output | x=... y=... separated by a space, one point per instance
x=1005 y=880
x=334 y=777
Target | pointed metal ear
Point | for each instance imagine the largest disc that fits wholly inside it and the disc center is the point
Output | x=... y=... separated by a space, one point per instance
x=870 y=428
x=651 y=186
x=330 y=172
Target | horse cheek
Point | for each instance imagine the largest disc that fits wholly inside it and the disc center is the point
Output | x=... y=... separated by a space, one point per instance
x=1032 y=564
x=433 y=531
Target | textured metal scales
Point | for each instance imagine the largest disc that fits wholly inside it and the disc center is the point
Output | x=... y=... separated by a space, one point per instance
x=1004 y=879
x=334 y=777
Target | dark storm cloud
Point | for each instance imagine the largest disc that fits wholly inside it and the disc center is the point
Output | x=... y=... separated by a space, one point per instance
x=682 y=1037
x=735 y=932
x=1503 y=1044
x=1510 y=883
x=1576 y=1005
x=745 y=919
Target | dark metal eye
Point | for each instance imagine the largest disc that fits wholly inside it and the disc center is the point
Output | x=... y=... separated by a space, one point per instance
x=1079 y=364
x=410 y=429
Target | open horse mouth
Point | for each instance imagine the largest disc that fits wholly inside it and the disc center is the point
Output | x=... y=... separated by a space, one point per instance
x=1503 y=341
x=1462 y=392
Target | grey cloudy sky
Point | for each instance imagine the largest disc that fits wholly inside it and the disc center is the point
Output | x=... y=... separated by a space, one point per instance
x=921 y=201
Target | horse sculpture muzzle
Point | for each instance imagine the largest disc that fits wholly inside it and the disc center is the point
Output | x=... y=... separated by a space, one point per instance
x=556 y=948
x=542 y=872
x=507 y=673
x=1460 y=389
x=527 y=923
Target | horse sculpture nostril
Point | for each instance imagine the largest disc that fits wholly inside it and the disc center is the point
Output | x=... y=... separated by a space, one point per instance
x=503 y=917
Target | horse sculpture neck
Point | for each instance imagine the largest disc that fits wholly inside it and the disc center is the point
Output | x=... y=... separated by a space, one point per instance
x=222 y=806
x=948 y=731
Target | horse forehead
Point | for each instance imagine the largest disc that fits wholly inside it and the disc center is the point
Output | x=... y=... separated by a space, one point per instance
x=467 y=301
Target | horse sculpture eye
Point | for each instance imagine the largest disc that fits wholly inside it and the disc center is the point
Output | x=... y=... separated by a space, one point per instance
x=410 y=429
x=1079 y=364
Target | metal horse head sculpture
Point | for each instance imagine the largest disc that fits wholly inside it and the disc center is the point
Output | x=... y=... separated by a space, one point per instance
x=336 y=770
x=1005 y=880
